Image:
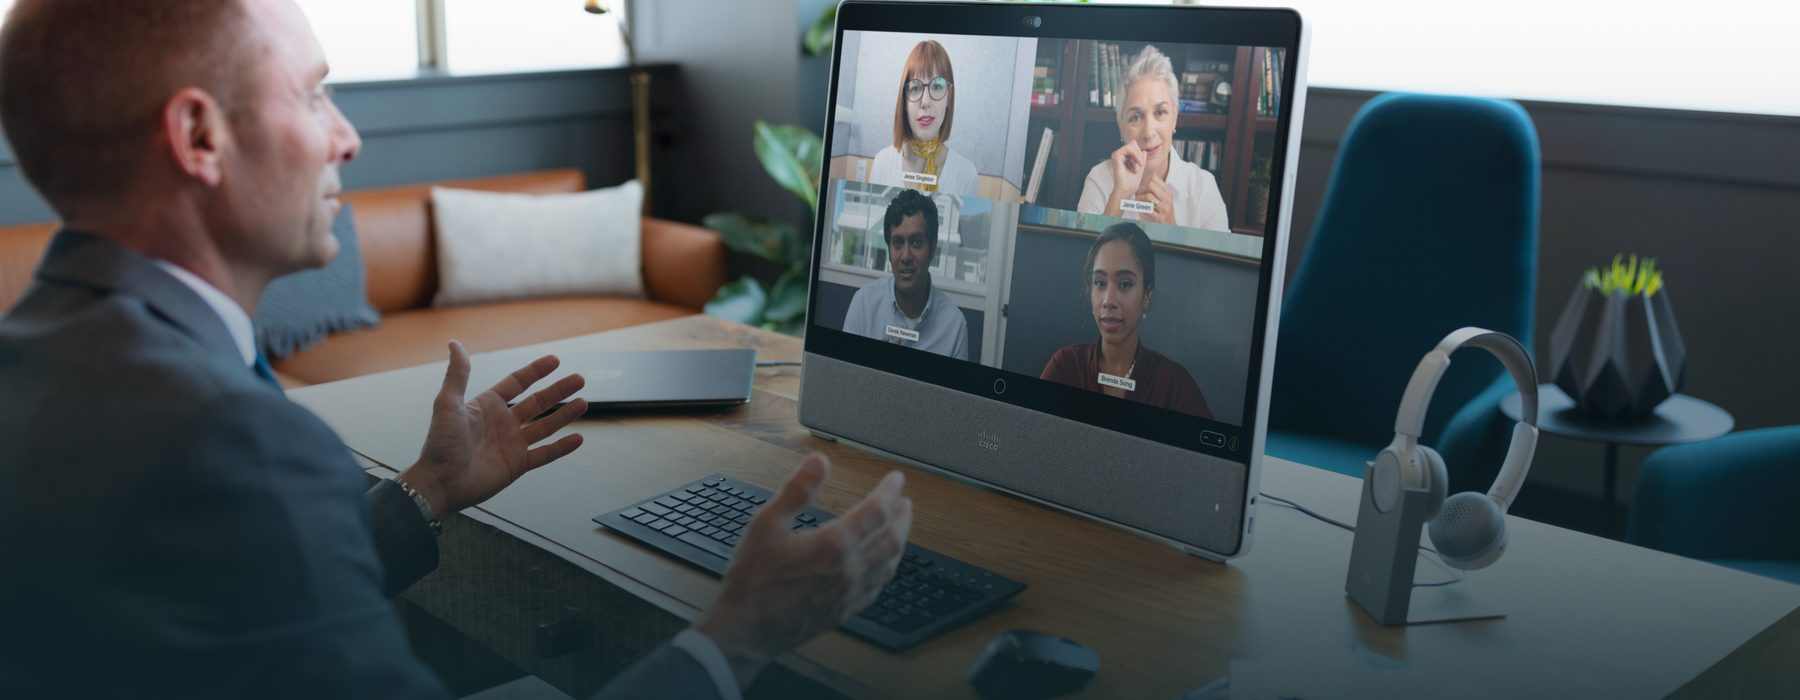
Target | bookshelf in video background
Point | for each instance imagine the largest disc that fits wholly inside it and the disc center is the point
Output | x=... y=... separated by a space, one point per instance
x=1229 y=130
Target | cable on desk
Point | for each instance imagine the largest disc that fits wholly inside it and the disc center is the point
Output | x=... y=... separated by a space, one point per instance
x=777 y=363
x=1285 y=502
x=1435 y=558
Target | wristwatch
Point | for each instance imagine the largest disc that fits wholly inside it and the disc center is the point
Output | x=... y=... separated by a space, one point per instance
x=431 y=519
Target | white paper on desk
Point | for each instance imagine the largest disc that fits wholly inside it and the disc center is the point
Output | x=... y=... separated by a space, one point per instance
x=1275 y=680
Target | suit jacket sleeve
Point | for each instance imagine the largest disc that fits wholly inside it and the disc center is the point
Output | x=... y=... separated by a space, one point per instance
x=261 y=540
x=403 y=540
x=667 y=672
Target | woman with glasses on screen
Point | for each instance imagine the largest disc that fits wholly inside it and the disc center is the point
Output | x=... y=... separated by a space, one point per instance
x=1144 y=179
x=1120 y=276
x=922 y=116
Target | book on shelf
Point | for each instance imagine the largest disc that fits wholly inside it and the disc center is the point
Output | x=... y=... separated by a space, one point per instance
x=1268 y=101
x=1094 y=78
x=1116 y=74
x=1195 y=106
x=1200 y=76
x=1102 y=75
x=1039 y=164
x=1106 y=90
x=1045 y=91
x=1206 y=153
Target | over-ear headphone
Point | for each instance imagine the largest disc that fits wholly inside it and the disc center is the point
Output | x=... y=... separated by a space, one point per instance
x=1467 y=529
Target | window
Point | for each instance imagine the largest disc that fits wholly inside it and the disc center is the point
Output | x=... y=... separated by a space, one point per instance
x=1726 y=56
x=366 y=39
x=380 y=39
x=486 y=36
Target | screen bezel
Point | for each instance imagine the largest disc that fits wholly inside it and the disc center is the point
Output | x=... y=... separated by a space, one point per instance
x=1275 y=28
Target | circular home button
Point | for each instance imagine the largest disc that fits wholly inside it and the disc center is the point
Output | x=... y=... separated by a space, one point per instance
x=999 y=386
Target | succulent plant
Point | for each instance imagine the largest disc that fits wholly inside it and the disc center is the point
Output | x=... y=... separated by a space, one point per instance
x=1626 y=275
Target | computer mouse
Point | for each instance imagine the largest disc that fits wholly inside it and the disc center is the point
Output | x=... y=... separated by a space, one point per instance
x=1021 y=664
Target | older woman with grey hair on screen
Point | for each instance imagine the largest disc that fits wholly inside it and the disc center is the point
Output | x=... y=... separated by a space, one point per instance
x=1145 y=179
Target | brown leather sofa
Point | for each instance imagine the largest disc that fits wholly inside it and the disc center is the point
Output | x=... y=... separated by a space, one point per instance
x=683 y=267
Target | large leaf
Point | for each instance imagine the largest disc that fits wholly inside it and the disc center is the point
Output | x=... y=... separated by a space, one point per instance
x=757 y=235
x=742 y=301
x=822 y=34
x=793 y=156
x=788 y=301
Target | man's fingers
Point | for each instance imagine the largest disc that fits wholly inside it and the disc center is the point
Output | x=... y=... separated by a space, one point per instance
x=536 y=404
x=882 y=558
x=456 y=376
x=540 y=429
x=796 y=494
x=883 y=550
x=523 y=377
x=876 y=510
x=552 y=452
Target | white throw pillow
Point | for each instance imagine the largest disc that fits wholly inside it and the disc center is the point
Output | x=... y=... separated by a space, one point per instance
x=500 y=245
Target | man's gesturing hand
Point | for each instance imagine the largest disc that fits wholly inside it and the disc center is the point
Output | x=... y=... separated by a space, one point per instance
x=784 y=588
x=477 y=447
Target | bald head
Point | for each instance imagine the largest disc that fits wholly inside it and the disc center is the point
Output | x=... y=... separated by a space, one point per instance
x=83 y=84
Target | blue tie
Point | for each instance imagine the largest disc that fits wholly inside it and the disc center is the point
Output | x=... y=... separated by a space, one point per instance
x=265 y=371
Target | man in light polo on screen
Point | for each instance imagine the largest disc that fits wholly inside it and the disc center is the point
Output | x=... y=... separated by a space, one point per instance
x=904 y=308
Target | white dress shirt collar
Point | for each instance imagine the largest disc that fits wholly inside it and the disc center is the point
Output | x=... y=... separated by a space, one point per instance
x=236 y=321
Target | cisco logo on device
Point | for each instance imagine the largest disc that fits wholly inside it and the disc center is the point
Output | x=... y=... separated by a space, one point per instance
x=987 y=441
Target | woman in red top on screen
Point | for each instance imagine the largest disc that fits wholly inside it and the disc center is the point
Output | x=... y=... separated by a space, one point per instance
x=1121 y=283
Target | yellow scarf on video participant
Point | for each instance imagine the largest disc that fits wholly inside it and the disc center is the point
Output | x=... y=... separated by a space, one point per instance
x=928 y=151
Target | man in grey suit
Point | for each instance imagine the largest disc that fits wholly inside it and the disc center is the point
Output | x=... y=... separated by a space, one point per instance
x=171 y=525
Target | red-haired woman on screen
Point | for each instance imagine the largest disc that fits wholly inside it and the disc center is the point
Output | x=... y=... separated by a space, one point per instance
x=923 y=113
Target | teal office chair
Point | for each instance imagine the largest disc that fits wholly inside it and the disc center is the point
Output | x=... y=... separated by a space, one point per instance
x=1429 y=224
x=1728 y=500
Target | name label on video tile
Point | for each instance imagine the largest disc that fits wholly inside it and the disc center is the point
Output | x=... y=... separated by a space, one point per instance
x=918 y=178
x=1118 y=382
x=1136 y=205
x=903 y=333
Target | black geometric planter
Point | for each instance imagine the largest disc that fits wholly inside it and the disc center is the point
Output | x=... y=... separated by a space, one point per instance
x=1617 y=355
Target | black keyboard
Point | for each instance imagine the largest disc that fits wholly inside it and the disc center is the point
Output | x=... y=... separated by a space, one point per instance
x=701 y=522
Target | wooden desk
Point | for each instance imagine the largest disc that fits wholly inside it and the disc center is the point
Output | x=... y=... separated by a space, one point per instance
x=1588 y=617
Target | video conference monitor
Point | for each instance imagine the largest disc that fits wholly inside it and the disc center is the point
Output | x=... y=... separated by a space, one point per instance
x=1049 y=251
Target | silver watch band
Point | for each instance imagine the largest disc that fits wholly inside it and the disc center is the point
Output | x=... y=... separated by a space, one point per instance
x=431 y=519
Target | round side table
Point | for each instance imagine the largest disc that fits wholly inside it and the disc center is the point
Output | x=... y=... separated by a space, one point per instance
x=1679 y=419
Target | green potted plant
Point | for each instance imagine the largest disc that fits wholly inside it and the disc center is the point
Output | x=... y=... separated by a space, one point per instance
x=1258 y=205
x=792 y=155
x=1616 y=350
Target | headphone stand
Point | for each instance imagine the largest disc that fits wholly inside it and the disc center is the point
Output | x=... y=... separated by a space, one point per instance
x=1384 y=558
